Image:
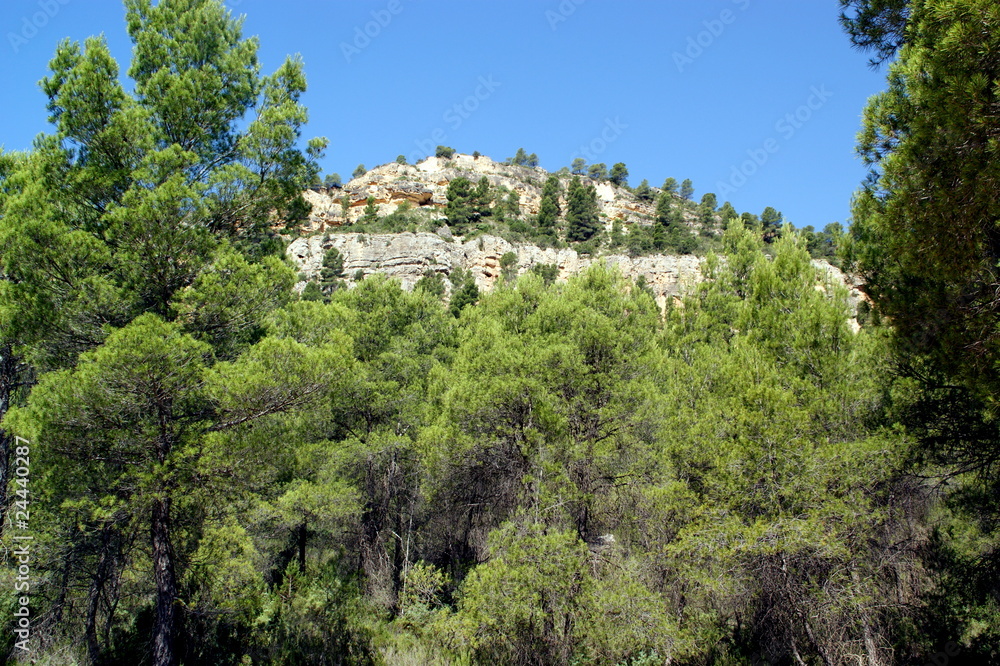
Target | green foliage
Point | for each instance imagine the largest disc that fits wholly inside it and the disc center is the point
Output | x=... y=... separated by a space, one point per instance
x=423 y=592
x=549 y=473
x=464 y=293
x=578 y=167
x=521 y=158
x=643 y=191
x=923 y=242
x=642 y=285
x=582 y=220
x=370 y=214
x=228 y=301
x=432 y=282
x=359 y=171
x=401 y=159
x=467 y=204
x=444 y=152
x=330 y=276
x=507 y=208
x=598 y=171
x=548 y=273
x=771 y=222
x=548 y=211
x=764 y=356
x=878 y=26
x=687 y=189
x=670 y=185
x=706 y=212
x=669 y=233
x=619 y=174
x=332 y=180
x=508 y=266
x=824 y=244
x=313 y=616
x=312 y=292
x=333 y=264
x=727 y=213
x=545 y=584
x=159 y=190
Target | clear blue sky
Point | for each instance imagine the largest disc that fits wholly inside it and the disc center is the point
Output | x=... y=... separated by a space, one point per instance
x=689 y=89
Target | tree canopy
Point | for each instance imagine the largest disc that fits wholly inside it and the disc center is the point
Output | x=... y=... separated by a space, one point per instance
x=571 y=467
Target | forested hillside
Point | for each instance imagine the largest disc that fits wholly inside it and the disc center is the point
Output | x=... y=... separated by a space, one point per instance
x=202 y=464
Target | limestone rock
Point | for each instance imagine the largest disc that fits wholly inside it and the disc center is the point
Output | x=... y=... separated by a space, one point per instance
x=407 y=256
x=425 y=186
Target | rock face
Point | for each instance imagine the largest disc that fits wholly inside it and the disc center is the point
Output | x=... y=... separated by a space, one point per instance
x=407 y=256
x=425 y=186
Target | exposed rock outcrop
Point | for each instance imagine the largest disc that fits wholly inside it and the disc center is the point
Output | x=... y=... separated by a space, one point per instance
x=425 y=185
x=407 y=256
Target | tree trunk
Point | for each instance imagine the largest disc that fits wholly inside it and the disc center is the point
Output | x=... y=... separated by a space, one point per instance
x=166 y=586
x=8 y=379
x=302 y=537
x=6 y=442
x=104 y=565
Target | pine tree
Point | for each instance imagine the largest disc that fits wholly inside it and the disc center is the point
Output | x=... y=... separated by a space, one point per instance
x=370 y=214
x=582 y=219
x=548 y=211
x=771 y=222
x=706 y=211
x=520 y=158
x=159 y=190
x=332 y=271
x=643 y=192
x=467 y=204
x=619 y=174
x=598 y=171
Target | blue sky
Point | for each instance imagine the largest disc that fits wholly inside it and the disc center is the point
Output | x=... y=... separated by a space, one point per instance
x=758 y=101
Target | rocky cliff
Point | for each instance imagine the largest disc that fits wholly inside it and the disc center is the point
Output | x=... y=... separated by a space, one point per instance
x=407 y=256
x=424 y=186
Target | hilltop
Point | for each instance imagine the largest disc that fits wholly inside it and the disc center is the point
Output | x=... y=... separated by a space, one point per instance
x=394 y=219
x=424 y=187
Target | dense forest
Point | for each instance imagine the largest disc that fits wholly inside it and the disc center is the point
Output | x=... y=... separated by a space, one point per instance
x=200 y=466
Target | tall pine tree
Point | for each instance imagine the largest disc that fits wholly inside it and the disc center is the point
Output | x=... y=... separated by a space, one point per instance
x=582 y=212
